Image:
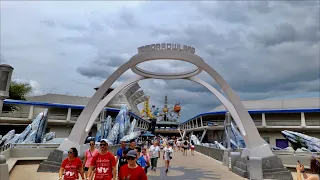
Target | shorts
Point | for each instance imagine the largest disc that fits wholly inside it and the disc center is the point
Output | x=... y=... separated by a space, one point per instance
x=87 y=169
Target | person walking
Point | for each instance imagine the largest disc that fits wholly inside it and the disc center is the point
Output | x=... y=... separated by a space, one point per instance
x=71 y=167
x=192 y=147
x=140 y=161
x=132 y=171
x=132 y=144
x=179 y=144
x=146 y=158
x=104 y=162
x=185 y=147
x=88 y=156
x=154 y=152
x=120 y=150
x=123 y=159
x=167 y=151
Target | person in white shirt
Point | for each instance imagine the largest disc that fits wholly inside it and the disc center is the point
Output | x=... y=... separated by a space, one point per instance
x=167 y=151
x=154 y=152
x=178 y=144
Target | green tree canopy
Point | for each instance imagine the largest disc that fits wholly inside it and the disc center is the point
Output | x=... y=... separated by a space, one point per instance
x=17 y=91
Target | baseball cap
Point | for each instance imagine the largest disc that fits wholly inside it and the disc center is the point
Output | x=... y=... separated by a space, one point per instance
x=132 y=153
x=103 y=140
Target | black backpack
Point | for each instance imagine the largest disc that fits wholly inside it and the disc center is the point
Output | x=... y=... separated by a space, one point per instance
x=185 y=143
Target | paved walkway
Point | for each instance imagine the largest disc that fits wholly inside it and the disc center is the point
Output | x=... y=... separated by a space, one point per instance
x=197 y=167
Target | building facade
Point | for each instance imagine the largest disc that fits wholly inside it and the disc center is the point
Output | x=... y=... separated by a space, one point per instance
x=64 y=110
x=300 y=113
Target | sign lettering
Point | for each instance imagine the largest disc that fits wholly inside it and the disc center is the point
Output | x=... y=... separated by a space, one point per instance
x=166 y=46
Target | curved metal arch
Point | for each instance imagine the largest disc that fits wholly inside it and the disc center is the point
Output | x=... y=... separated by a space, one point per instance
x=224 y=101
x=252 y=138
x=102 y=104
x=214 y=91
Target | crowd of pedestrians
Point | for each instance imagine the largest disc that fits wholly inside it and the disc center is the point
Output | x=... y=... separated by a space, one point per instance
x=130 y=163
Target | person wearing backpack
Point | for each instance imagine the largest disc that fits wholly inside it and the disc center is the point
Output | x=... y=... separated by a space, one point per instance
x=185 y=147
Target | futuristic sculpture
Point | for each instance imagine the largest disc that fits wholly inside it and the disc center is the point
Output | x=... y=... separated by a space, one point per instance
x=120 y=130
x=34 y=132
x=295 y=138
x=195 y=140
x=103 y=129
x=254 y=144
x=146 y=111
x=236 y=140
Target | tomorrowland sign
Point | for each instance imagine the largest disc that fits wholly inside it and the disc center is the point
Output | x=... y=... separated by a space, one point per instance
x=166 y=46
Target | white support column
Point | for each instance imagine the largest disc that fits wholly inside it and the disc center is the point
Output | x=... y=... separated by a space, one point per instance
x=30 y=117
x=192 y=123
x=303 y=120
x=69 y=114
x=201 y=121
x=264 y=124
x=196 y=123
x=203 y=134
x=183 y=135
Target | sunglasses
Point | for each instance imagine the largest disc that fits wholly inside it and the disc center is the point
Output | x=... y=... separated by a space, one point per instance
x=130 y=158
x=103 y=144
x=69 y=152
x=91 y=144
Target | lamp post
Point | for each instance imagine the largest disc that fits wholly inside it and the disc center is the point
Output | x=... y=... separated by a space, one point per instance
x=5 y=81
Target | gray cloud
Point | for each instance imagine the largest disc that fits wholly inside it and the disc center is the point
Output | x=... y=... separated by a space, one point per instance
x=261 y=48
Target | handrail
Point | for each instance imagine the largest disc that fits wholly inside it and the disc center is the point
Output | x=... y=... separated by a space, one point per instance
x=35 y=145
x=62 y=106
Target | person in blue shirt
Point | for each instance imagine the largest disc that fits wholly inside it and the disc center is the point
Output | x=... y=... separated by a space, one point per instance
x=120 y=150
x=141 y=161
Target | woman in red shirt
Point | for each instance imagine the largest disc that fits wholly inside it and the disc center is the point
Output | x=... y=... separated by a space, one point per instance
x=71 y=166
x=132 y=171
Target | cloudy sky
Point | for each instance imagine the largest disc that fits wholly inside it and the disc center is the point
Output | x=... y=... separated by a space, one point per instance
x=261 y=48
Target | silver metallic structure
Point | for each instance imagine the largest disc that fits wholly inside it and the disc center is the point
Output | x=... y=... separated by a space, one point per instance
x=254 y=144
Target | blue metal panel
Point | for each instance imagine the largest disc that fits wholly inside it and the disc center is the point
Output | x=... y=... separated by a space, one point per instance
x=56 y=105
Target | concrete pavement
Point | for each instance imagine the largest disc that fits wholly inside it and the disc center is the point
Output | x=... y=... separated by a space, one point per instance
x=182 y=167
x=197 y=167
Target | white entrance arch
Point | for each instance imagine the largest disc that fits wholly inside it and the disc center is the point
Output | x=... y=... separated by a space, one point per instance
x=255 y=145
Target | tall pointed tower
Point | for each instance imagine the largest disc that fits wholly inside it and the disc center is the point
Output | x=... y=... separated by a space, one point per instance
x=165 y=108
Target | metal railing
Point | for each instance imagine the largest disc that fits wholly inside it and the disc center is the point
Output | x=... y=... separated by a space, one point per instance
x=15 y=114
x=51 y=116
x=313 y=122
x=35 y=145
x=215 y=153
x=283 y=122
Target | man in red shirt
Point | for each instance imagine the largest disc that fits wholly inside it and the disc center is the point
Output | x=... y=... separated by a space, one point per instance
x=104 y=162
x=132 y=171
